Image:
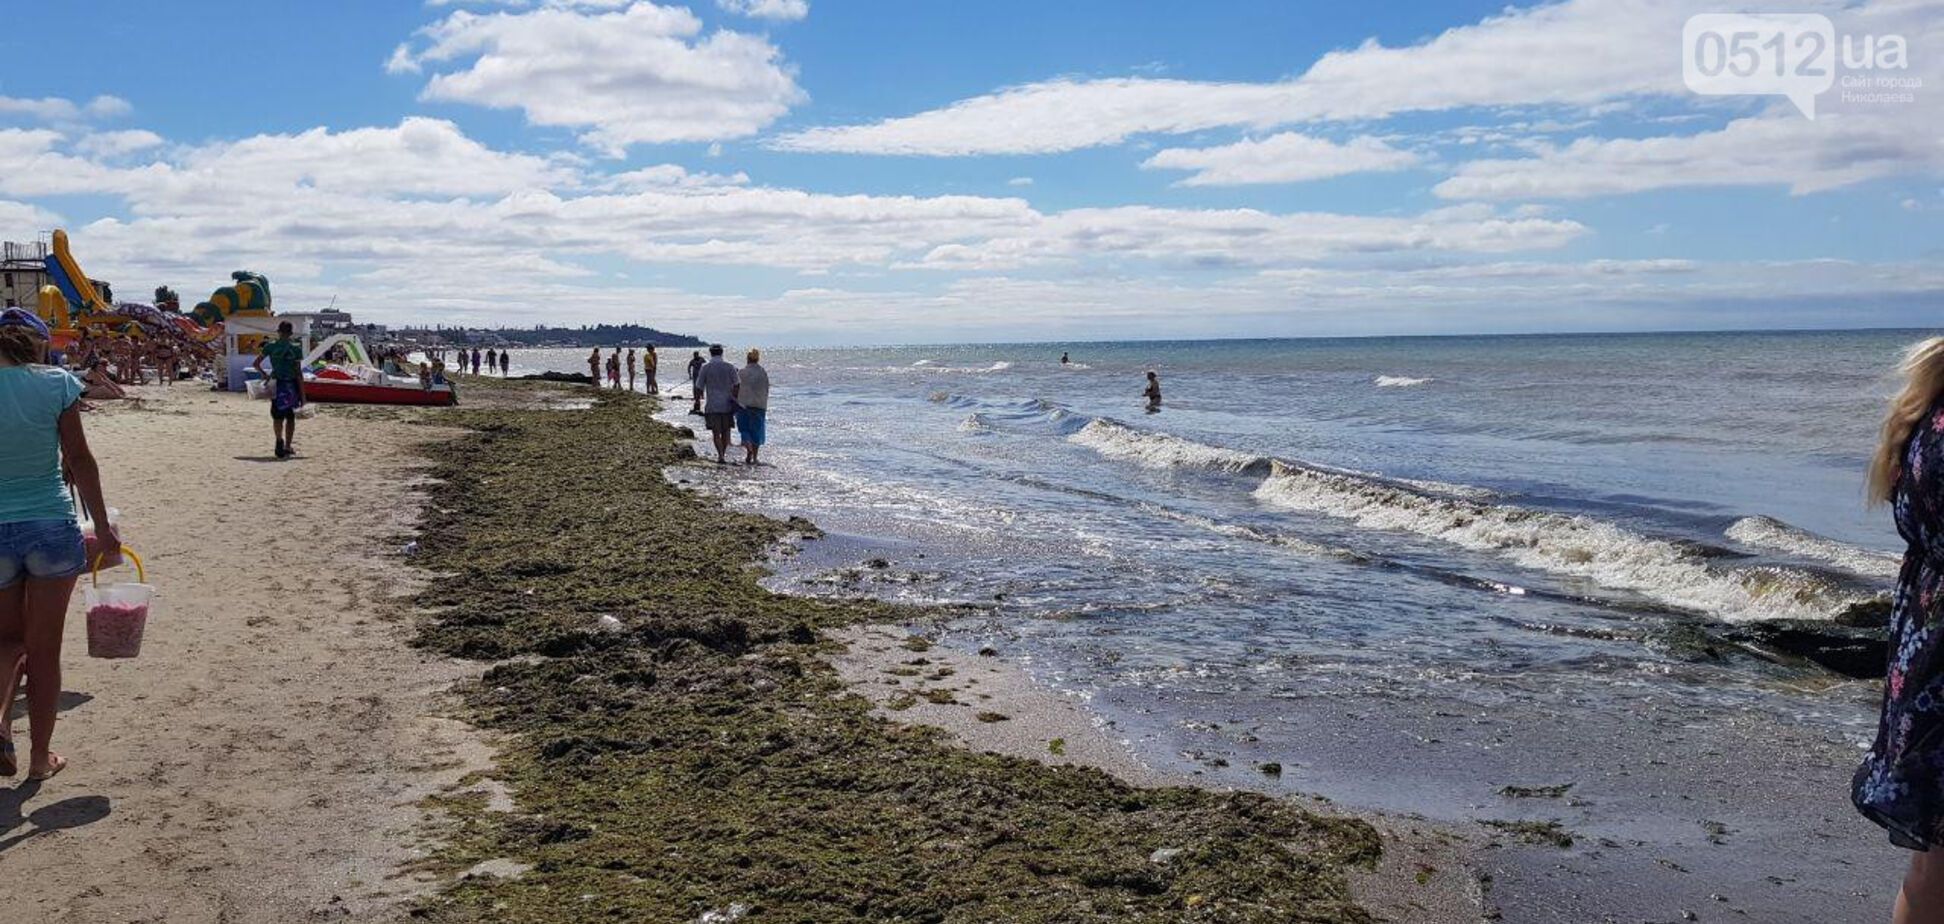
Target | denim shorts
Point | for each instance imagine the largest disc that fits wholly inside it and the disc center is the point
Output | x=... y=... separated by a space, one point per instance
x=40 y=549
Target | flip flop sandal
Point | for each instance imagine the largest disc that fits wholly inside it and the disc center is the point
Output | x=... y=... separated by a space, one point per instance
x=54 y=769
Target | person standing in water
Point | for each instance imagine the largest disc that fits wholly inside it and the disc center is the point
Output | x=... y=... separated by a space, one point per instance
x=695 y=386
x=42 y=552
x=1064 y=358
x=475 y=360
x=594 y=367
x=1900 y=784
x=506 y=362
x=286 y=358
x=1153 y=392
x=649 y=362
x=631 y=369
x=614 y=369
x=752 y=400
x=715 y=384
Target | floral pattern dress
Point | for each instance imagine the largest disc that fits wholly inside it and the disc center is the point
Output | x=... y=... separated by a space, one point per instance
x=1901 y=782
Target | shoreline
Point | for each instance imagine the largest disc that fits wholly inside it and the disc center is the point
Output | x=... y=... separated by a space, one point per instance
x=679 y=745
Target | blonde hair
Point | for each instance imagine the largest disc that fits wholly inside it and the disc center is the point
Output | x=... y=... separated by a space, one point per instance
x=1923 y=372
x=755 y=355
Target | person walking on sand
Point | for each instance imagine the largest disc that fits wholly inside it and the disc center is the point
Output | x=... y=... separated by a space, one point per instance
x=286 y=358
x=631 y=369
x=1900 y=784
x=752 y=400
x=1153 y=392
x=506 y=362
x=695 y=388
x=715 y=387
x=649 y=362
x=594 y=367
x=41 y=550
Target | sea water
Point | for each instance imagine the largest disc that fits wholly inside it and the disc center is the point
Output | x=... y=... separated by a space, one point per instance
x=1398 y=510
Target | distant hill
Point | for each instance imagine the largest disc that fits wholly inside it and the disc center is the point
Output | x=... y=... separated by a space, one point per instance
x=597 y=335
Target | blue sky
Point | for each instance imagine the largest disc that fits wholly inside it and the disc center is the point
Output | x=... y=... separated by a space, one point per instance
x=810 y=171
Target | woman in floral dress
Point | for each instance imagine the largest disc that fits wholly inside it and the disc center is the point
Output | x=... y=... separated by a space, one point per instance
x=1901 y=782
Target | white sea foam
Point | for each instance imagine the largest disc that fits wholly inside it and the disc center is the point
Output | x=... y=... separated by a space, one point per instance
x=999 y=366
x=1560 y=543
x=1770 y=533
x=975 y=423
x=1398 y=381
x=1162 y=450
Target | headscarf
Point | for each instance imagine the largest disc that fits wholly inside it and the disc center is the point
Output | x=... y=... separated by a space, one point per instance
x=21 y=317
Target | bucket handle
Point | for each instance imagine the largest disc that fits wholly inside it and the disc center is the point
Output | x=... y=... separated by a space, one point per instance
x=141 y=574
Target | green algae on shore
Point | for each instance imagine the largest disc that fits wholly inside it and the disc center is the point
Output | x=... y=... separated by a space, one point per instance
x=681 y=751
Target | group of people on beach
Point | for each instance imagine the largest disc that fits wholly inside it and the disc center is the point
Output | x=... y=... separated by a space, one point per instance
x=647 y=362
x=727 y=397
x=494 y=360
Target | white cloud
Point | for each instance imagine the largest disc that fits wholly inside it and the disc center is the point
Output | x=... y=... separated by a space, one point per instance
x=60 y=110
x=1849 y=142
x=1579 y=52
x=1247 y=237
x=24 y=219
x=1020 y=181
x=643 y=74
x=782 y=10
x=117 y=143
x=1836 y=150
x=1282 y=158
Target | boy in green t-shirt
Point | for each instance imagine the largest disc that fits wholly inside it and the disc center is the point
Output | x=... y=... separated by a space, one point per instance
x=286 y=358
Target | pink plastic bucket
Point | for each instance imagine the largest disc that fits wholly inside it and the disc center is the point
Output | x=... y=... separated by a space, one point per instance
x=117 y=613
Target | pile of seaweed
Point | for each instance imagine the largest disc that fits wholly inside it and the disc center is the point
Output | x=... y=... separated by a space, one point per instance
x=680 y=750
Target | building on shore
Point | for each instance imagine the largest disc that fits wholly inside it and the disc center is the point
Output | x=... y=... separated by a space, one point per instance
x=23 y=270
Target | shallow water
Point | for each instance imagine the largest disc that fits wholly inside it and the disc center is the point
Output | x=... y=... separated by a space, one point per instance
x=1433 y=536
x=1482 y=514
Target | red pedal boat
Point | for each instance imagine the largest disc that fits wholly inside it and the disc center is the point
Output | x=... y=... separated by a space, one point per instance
x=329 y=391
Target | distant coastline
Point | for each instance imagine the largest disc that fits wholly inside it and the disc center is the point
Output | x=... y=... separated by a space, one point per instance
x=538 y=337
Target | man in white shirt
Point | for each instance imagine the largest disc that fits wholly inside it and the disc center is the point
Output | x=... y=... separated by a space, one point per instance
x=715 y=385
x=752 y=401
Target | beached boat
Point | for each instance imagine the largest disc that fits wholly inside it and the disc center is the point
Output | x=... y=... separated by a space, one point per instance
x=340 y=391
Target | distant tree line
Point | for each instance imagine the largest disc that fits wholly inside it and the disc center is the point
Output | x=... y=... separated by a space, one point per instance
x=596 y=335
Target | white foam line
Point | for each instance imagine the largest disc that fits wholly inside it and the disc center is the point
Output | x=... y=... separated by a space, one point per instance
x=1561 y=544
x=1773 y=534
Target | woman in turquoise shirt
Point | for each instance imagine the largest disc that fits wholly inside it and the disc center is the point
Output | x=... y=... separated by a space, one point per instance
x=41 y=552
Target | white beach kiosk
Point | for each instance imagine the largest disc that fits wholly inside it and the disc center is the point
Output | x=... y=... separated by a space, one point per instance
x=236 y=362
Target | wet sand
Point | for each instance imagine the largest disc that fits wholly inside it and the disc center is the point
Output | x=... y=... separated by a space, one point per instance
x=1672 y=810
x=263 y=760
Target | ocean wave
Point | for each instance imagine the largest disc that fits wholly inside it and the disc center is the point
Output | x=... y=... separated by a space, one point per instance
x=1117 y=440
x=1775 y=535
x=1579 y=546
x=1398 y=381
x=927 y=367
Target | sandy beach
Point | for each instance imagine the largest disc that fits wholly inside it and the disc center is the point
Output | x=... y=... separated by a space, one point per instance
x=264 y=758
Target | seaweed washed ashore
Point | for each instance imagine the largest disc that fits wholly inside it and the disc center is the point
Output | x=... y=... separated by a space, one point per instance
x=680 y=749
